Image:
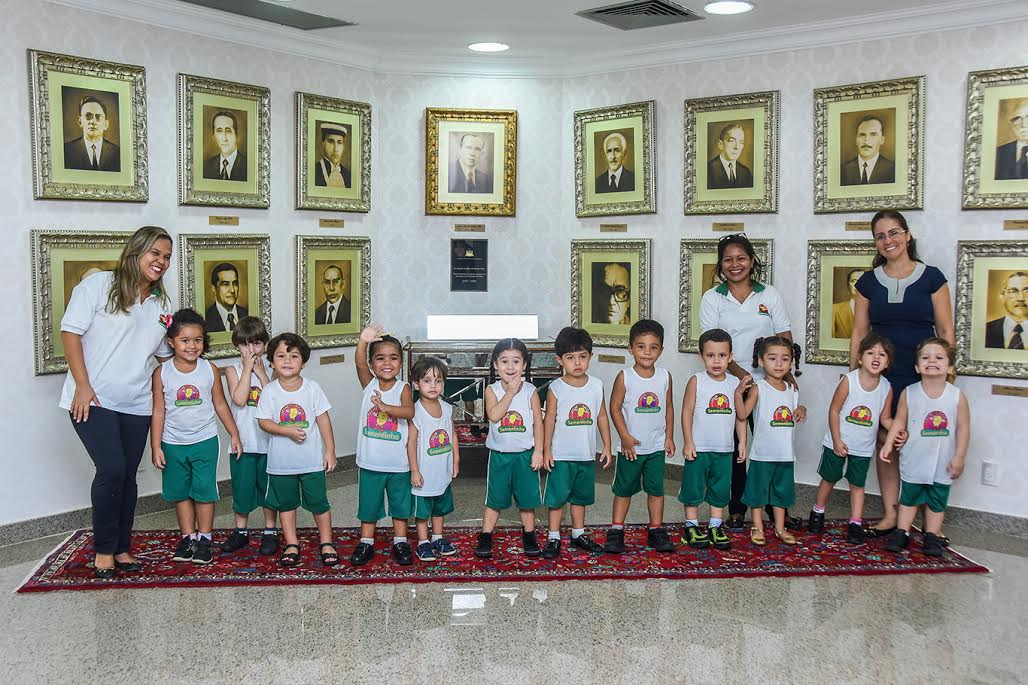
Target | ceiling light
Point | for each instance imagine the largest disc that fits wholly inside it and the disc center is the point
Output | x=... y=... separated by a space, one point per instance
x=728 y=6
x=489 y=47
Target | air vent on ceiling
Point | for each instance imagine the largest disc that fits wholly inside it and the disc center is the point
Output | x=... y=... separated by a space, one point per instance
x=640 y=14
x=276 y=14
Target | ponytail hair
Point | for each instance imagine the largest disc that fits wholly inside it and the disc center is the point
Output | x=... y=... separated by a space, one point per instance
x=761 y=346
x=510 y=344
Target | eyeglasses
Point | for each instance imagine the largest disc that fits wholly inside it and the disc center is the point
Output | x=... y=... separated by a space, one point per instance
x=1014 y=292
x=894 y=233
x=620 y=293
x=733 y=237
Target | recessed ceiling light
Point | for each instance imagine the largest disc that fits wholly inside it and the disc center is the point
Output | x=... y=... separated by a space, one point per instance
x=489 y=47
x=728 y=6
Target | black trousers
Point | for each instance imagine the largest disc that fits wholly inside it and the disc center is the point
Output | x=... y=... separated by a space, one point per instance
x=115 y=442
x=735 y=505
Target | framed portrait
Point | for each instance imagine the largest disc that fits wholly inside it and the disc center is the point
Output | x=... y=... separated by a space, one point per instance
x=88 y=129
x=995 y=139
x=615 y=160
x=869 y=146
x=60 y=259
x=731 y=154
x=471 y=161
x=224 y=145
x=610 y=287
x=224 y=278
x=697 y=273
x=333 y=154
x=833 y=268
x=333 y=289
x=992 y=308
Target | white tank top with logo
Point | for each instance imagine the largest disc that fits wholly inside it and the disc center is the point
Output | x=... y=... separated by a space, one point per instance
x=381 y=438
x=250 y=435
x=513 y=433
x=774 y=423
x=860 y=416
x=577 y=410
x=932 y=424
x=435 y=449
x=713 y=418
x=188 y=410
x=644 y=410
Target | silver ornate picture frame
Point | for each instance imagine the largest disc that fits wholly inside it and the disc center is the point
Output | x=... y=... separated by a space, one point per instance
x=833 y=267
x=333 y=154
x=333 y=289
x=997 y=117
x=610 y=287
x=76 y=100
x=622 y=136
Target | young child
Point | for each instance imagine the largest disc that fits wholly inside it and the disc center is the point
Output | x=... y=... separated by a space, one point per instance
x=574 y=409
x=184 y=434
x=938 y=420
x=383 y=471
x=515 y=443
x=709 y=407
x=298 y=457
x=246 y=378
x=642 y=409
x=774 y=403
x=862 y=402
x=434 y=457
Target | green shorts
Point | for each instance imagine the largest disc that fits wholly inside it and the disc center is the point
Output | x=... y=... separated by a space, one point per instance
x=645 y=473
x=769 y=482
x=831 y=465
x=190 y=471
x=374 y=487
x=249 y=481
x=707 y=478
x=570 y=482
x=438 y=505
x=936 y=495
x=510 y=474
x=295 y=490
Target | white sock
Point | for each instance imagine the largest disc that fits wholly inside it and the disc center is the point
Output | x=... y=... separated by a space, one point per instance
x=553 y=535
x=617 y=526
x=205 y=536
x=695 y=523
x=819 y=510
x=368 y=541
x=397 y=539
x=271 y=531
x=422 y=542
x=194 y=536
x=436 y=537
x=577 y=532
x=715 y=522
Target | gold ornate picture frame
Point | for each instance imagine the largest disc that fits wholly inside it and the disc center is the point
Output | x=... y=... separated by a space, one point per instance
x=869 y=146
x=610 y=287
x=333 y=154
x=997 y=119
x=731 y=154
x=833 y=267
x=60 y=259
x=88 y=129
x=333 y=289
x=224 y=143
x=471 y=161
x=621 y=136
x=223 y=276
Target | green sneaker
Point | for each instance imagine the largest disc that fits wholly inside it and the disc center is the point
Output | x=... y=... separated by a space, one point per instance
x=696 y=538
x=718 y=537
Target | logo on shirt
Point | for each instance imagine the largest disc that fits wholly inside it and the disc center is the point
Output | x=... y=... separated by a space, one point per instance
x=188 y=396
x=782 y=418
x=579 y=416
x=648 y=404
x=164 y=320
x=512 y=422
x=719 y=404
x=860 y=416
x=439 y=442
x=762 y=310
x=936 y=425
x=293 y=415
x=254 y=397
x=381 y=426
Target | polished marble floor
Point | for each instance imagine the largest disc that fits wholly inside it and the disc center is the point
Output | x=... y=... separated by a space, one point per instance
x=963 y=628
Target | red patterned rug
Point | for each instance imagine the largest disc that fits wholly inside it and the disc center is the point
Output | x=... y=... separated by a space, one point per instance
x=69 y=566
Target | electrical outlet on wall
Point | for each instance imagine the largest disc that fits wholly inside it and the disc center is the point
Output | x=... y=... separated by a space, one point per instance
x=990 y=473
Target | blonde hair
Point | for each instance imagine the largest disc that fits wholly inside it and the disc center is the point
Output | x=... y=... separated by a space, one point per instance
x=127 y=276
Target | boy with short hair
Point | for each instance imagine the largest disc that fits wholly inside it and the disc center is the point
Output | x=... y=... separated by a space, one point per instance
x=575 y=408
x=642 y=409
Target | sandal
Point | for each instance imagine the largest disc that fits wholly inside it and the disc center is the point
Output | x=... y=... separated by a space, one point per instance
x=328 y=558
x=786 y=537
x=757 y=536
x=289 y=559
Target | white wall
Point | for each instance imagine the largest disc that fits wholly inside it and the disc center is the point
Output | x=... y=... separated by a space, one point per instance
x=529 y=254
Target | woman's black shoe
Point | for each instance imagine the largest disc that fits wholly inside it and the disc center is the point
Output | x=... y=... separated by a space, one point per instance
x=128 y=566
x=109 y=573
x=875 y=533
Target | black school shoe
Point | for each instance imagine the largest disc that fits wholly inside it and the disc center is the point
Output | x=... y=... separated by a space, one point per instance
x=855 y=534
x=932 y=545
x=793 y=522
x=203 y=551
x=658 y=539
x=816 y=523
x=897 y=541
x=552 y=548
x=736 y=523
x=403 y=554
x=587 y=544
x=615 y=543
x=269 y=544
x=531 y=544
x=235 y=542
x=362 y=554
x=484 y=548
x=184 y=551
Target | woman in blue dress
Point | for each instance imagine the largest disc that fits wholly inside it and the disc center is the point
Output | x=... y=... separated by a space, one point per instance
x=906 y=301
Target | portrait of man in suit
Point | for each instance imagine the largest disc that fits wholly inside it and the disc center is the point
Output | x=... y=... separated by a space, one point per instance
x=1012 y=157
x=870 y=166
x=330 y=170
x=611 y=291
x=465 y=174
x=229 y=164
x=336 y=308
x=725 y=170
x=92 y=151
x=1009 y=331
x=225 y=312
x=617 y=178
x=842 y=312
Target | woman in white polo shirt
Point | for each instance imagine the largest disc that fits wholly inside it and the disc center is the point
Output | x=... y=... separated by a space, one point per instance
x=748 y=309
x=112 y=329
